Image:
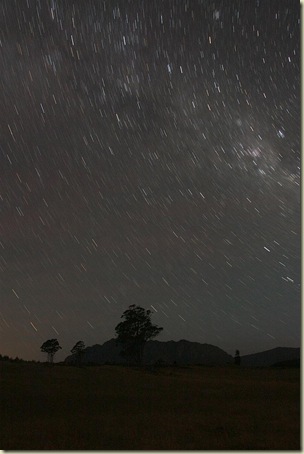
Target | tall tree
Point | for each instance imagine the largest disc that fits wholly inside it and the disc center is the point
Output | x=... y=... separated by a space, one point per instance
x=78 y=350
x=237 y=358
x=135 y=331
x=50 y=347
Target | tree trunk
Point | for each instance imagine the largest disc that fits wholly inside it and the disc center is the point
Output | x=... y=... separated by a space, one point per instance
x=50 y=358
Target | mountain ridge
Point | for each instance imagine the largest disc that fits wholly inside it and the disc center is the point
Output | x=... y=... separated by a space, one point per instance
x=170 y=352
x=272 y=356
x=184 y=352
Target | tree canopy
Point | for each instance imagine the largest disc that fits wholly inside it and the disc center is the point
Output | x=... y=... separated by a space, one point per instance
x=50 y=347
x=78 y=347
x=78 y=350
x=135 y=331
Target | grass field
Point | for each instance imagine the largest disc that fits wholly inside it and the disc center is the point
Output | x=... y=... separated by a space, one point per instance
x=113 y=407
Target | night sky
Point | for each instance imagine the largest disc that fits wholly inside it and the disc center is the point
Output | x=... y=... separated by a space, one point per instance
x=150 y=155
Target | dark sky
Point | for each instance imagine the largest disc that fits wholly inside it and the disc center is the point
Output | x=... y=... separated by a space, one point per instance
x=149 y=154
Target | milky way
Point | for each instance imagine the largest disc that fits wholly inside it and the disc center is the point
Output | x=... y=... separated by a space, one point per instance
x=150 y=154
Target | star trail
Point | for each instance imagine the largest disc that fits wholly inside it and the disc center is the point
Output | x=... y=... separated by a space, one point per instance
x=150 y=155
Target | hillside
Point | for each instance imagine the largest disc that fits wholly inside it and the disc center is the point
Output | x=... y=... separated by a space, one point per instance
x=271 y=357
x=182 y=353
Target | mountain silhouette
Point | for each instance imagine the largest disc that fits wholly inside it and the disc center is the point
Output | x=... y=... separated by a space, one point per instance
x=271 y=357
x=182 y=352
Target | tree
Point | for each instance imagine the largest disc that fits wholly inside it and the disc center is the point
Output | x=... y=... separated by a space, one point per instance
x=237 y=358
x=135 y=331
x=78 y=350
x=50 y=347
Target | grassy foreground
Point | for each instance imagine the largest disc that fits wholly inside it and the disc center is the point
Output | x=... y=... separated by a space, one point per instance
x=113 y=407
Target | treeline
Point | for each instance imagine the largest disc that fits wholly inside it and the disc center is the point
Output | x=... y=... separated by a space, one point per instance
x=132 y=334
x=15 y=360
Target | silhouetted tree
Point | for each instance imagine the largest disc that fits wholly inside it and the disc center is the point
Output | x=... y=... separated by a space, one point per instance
x=5 y=358
x=50 y=347
x=17 y=360
x=237 y=358
x=78 y=350
x=135 y=331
